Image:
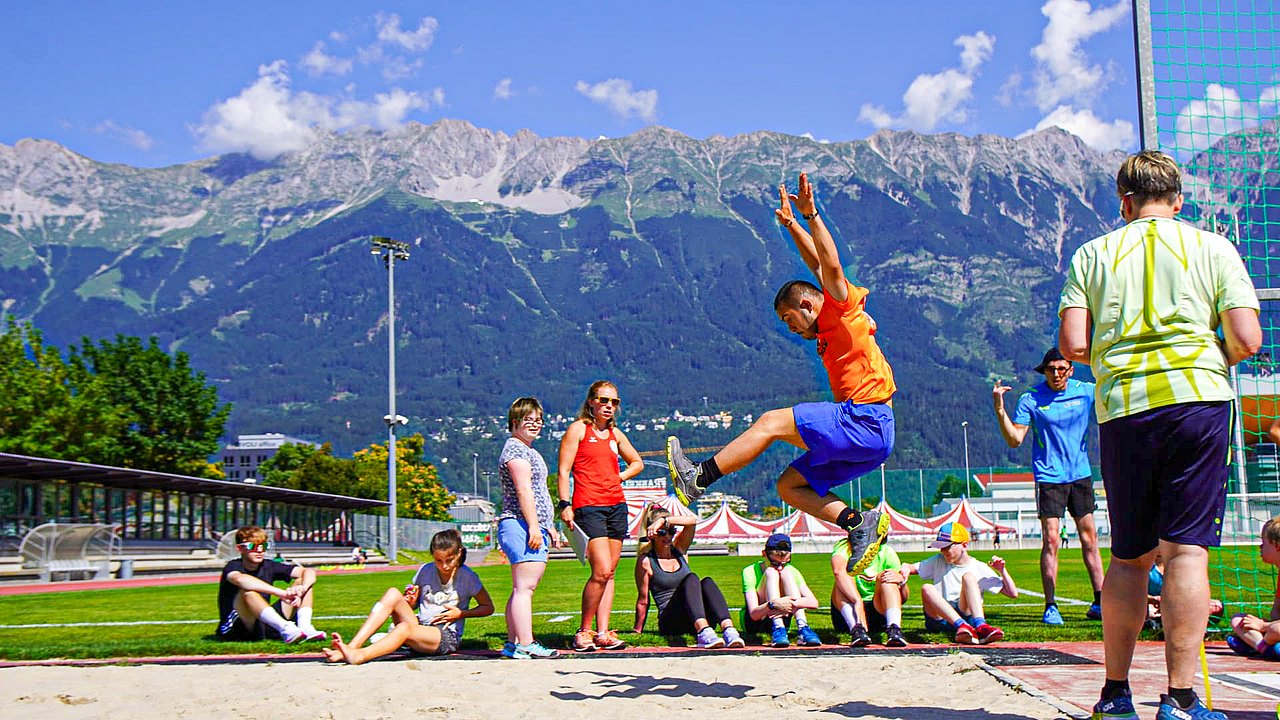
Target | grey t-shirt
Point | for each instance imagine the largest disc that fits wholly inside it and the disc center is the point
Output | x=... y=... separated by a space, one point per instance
x=541 y=498
x=435 y=594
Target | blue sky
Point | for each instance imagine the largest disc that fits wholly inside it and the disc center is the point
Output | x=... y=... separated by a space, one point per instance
x=152 y=84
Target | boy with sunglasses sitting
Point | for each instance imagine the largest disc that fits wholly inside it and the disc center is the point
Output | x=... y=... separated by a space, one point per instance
x=243 y=607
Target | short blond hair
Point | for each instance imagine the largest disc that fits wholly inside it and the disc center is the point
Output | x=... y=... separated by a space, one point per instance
x=1149 y=176
x=1271 y=531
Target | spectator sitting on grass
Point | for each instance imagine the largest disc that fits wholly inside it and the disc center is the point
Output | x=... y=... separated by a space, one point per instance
x=441 y=593
x=775 y=591
x=1155 y=588
x=954 y=585
x=1253 y=636
x=871 y=600
x=243 y=609
x=686 y=603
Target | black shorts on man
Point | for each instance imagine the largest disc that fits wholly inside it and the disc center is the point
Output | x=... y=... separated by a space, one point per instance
x=230 y=629
x=1165 y=471
x=1076 y=498
x=602 y=521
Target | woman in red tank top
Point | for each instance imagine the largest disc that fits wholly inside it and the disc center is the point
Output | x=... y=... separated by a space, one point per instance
x=589 y=452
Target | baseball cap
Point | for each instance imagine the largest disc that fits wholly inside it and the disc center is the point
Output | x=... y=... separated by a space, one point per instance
x=952 y=532
x=1050 y=355
x=778 y=541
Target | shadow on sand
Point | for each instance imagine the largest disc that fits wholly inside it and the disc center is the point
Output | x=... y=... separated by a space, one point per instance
x=621 y=685
x=857 y=709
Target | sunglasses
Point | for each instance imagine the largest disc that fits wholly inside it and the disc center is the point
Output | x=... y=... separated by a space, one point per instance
x=616 y=402
x=1051 y=370
x=780 y=549
x=532 y=421
x=252 y=547
x=666 y=531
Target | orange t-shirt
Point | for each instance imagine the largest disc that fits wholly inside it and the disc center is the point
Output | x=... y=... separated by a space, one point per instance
x=597 y=480
x=847 y=345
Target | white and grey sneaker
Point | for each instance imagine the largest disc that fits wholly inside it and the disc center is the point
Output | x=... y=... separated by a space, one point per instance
x=291 y=634
x=708 y=639
x=865 y=539
x=684 y=472
x=309 y=632
x=733 y=639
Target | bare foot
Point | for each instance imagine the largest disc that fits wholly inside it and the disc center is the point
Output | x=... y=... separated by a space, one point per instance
x=332 y=653
x=353 y=656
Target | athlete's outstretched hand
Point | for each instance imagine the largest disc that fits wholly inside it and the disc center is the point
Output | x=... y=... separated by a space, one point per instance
x=783 y=212
x=997 y=395
x=804 y=198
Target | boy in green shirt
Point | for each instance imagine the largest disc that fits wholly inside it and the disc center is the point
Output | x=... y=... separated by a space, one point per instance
x=882 y=584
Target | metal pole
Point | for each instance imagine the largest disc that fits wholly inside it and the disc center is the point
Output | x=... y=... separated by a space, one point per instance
x=858 y=506
x=1148 y=128
x=968 y=481
x=475 y=488
x=923 y=514
x=394 y=541
x=883 y=497
x=391 y=250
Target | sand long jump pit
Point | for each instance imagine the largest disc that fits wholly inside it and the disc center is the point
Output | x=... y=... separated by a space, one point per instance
x=952 y=686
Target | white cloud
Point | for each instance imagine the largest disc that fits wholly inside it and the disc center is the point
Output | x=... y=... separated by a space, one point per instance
x=936 y=97
x=617 y=95
x=1201 y=123
x=1094 y=131
x=317 y=62
x=415 y=41
x=338 y=37
x=268 y=118
x=131 y=136
x=396 y=68
x=1064 y=73
x=502 y=91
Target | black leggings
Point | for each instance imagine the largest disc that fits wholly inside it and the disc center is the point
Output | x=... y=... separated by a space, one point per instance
x=694 y=599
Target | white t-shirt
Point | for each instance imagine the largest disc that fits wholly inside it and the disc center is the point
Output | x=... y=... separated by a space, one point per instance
x=948 y=577
x=435 y=594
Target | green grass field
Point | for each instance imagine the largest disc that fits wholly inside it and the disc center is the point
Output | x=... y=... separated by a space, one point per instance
x=181 y=619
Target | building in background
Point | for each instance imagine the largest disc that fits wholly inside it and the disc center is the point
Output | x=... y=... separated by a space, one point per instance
x=240 y=461
x=709 y=503
x=468 y=508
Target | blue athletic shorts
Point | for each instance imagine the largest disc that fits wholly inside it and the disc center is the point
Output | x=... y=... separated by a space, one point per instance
x=845 y=440
x=513 y=538
x=1165 y=471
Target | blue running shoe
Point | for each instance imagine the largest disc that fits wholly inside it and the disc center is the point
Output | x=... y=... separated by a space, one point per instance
x=1240 y=647
x=1095 y=612
x=514 y=651
x=1169 y=710
x=808 y=637
x=1052 y=616
x=779 y=637
x=1117 y=708
x=537 y=650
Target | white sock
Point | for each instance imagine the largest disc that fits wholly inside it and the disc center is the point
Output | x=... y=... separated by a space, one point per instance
x=846 y=612
x=777 y=622
x=304 y=618
x=893 y=616
x=273 y=619
x=801 y=620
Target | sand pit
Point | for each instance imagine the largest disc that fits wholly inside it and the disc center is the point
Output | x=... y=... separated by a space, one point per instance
x=903 y=687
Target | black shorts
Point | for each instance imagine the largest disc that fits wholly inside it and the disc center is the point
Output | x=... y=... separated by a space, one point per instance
x=1165 y=471
x=763 y=626
x=1073 y=497
x=607 y=521
x=875 y=621
x=232 y=630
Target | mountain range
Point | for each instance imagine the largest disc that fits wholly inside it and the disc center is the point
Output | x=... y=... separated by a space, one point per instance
x=540 y=264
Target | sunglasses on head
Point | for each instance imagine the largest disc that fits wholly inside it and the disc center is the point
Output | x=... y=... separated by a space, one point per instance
x=616 y=402
x=252 y=546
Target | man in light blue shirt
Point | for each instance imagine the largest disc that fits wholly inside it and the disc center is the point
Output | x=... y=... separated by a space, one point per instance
x=1058 y=411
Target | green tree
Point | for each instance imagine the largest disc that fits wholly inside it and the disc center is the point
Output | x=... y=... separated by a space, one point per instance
x=278 y=469
x=50 y=407
x=173 y=417
x=952 y=486
x=419 y=493
x=770 y=512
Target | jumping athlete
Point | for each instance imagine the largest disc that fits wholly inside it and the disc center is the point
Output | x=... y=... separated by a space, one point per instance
x=844 y=439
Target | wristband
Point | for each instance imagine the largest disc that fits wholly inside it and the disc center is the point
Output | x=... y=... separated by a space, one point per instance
x=810 y=216
x=560 y=506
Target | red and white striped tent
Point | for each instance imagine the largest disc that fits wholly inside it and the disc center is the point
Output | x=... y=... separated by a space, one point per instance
x=803 y=525
x=725 y=524
x=905 y=525
x=966 y=514
x=634 y=513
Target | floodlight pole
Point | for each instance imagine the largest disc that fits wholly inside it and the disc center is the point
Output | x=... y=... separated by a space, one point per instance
x=391 y=251
x=968 y=477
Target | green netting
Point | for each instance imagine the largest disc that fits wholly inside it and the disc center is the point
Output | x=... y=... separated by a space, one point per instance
x=1211 y=99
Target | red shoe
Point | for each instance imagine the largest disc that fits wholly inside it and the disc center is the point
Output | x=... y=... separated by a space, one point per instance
x=965 y=635
x=988 y=633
